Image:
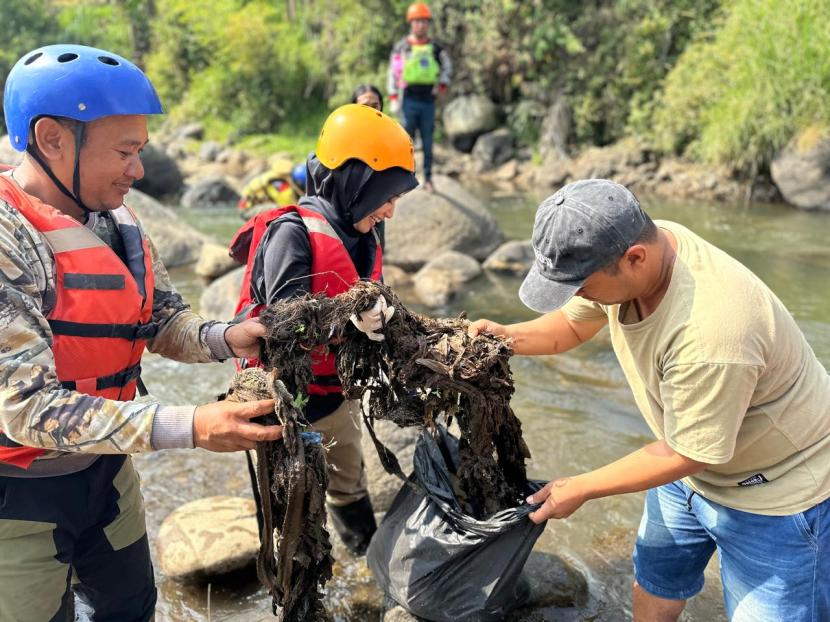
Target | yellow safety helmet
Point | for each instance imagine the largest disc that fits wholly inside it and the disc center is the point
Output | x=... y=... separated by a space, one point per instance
x=355 y=131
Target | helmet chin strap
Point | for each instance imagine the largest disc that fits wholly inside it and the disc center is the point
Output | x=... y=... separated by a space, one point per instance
x=80 y=128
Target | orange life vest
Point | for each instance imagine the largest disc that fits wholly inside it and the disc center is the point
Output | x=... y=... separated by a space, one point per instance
x=332 y=272
x=103 y=309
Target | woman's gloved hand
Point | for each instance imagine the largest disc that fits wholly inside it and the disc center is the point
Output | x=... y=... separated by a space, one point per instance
x=372 y=320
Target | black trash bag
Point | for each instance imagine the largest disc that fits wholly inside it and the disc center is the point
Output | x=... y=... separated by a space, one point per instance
x=438 y=561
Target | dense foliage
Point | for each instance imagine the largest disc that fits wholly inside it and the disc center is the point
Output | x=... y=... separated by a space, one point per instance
x=717 y=80
x=742 y=92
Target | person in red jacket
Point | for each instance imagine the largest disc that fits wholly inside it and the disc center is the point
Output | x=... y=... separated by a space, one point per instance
x=363 y=162
x=82 y=294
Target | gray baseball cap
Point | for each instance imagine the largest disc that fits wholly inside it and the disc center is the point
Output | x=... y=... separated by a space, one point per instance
x=580 y=229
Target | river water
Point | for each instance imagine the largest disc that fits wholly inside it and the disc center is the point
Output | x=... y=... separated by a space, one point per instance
x=576 y=409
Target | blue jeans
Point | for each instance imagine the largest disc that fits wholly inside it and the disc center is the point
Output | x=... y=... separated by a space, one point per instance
x=773 y=568
x=419 y=114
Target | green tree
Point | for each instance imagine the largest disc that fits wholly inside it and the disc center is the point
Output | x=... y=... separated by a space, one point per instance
x=739 y=95
x=24 y=25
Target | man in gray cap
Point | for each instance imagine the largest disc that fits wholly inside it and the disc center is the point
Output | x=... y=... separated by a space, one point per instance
x=726 y=381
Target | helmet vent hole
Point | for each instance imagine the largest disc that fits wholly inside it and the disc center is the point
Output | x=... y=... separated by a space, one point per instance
x=67 y=58
x=33 y=58
x=108 y=60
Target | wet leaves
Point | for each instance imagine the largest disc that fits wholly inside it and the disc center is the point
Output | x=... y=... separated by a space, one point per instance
x=425 y=371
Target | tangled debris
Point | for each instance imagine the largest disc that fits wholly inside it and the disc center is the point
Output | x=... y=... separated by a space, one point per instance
x=294 y=560
x=425 y=368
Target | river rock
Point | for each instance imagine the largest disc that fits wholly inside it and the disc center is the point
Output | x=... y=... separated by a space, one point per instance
x=207 y=538
x=8 y=155
x=440 y=279
x=549 y=176
x=191 y=131
x=468 y=117
x=608 y=162
x=401 y=441
x=209 y=151
x=426 y=224
x=210 y=192
x=162 y=176
x=218 y=301
x=802 y=170
x=393 y=612
x=507 y=171
x=177 y=242
x=514 y=257
x=494 y=148
x=396 y=277
x=214 y=261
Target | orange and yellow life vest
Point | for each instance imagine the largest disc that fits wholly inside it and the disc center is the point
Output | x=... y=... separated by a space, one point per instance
x=103 y=310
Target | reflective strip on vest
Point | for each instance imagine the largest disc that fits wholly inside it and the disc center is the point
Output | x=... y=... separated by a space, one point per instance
x=65 y=240
x=315 y=225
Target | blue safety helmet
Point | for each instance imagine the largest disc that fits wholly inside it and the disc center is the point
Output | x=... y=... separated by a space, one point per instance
x=73 y=81
x=299 y=176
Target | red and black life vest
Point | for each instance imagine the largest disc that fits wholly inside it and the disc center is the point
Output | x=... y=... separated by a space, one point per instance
x=332 y=272
x=103 y=310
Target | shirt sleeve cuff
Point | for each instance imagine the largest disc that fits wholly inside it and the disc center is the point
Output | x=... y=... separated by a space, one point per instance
x=214 y=338
x=173 y=428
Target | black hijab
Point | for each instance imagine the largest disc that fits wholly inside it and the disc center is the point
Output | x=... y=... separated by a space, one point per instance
x=348 y=194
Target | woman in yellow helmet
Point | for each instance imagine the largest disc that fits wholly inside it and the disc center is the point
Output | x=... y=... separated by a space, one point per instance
x=363 y=162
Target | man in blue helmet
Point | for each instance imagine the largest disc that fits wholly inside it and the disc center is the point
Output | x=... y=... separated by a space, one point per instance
x=82 y=291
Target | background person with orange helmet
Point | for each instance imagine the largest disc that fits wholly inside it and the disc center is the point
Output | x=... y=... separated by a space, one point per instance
x=363 y=162
x=419 y=70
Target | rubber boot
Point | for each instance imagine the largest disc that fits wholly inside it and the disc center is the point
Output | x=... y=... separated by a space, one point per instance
x=355 y=523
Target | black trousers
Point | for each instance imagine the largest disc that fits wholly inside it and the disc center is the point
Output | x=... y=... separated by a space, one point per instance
x=90 y=522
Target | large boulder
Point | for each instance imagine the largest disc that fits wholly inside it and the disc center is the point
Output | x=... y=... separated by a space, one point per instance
x=218 y=301
x=191 y=131
x=214 y=261
x=468 y=117
x=802 y=170
x=207 y=538
x=554 y=582
x=494 y=148
x=8 y=155
x=210 y=192
x=209 y=151
x=514 y=257
x=162 y=176
x=427 y=224
x=443 y=277
x=177 y=242
x=396 y=277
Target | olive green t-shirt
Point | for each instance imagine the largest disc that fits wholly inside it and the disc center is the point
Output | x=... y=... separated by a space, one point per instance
x=722 y=372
